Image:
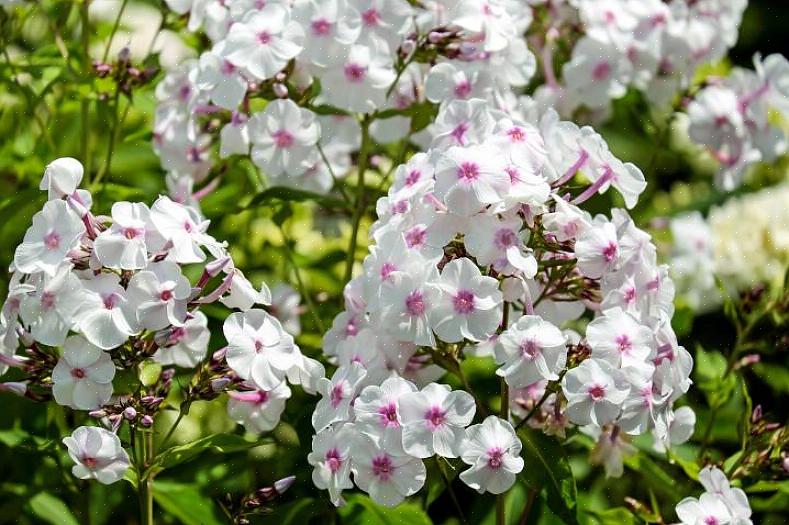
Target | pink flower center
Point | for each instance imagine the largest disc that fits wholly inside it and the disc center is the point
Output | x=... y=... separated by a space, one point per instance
x=259 y=346
x=52 y=240
x=435 y=417
x=388 y=415
x=89 y=462
x=495 y=458
x=166 y=295
x=415 y=303
x=78 y=373
x=463 y=89
x=48 y=300
x=283 y=139
x=110 y=301
x=415 y=236
x=516 y=134
x=176 y=334
x=514 y=174
x=609 y=252
x=386 y=270
x=504 y=238
x=463 y=302
x=371 y=17
x=596 y=392
x=413 y=177
x=630 y=295
x=184 y=92
x=625 y=344
x=227 y=68
x=264 y=37
x=601 y=71
x=459 y=133
x=468 y=171
x=188 y=226
x=333 y=460
x=337 y=394
x=529 y=349
x=383 y=467
x=710 y=520
x=355 y=73
x=400 y=207
x=320 y=27
x=133 y=233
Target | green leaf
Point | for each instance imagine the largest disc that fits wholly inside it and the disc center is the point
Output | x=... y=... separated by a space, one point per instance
x=654 y=474
x=186 y=503
x=222 y=443
x=51 y=509
x=297 y=512
x=615 y=516
x=769 y=486
x=776 y=377
x=281 y=193
x=361 y=510
x=547 y=467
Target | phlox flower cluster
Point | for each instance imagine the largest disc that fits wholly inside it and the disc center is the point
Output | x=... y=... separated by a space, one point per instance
x=481 y=248
x=650 y=45
x=720 y=503
x=93 y=294
x=735 y=118
x=282 y=79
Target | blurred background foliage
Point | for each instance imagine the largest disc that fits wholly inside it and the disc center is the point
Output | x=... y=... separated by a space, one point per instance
x=52 y=104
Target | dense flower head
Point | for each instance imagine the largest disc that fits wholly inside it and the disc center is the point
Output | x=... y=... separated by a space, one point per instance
x=93 y=294
x=734 y=118
x=365 y=57
x=655 y=47
x=475 y=228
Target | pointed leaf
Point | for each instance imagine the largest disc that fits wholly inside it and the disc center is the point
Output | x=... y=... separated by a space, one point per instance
x=547 y=467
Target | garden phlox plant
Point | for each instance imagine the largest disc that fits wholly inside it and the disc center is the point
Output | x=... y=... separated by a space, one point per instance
x=653 y=46
x=735 y=118
x=282 y=80
x=482 y=248
x=94 y=296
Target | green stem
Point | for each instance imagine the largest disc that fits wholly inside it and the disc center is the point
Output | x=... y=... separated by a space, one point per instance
x=337 y=184
x=145 y=487
x=501 y=499
x=84 y=102
x=114 y=30
x=302 y=288
x=364 y=152
x=535 y=408
x=452 y=496
x=182 y=411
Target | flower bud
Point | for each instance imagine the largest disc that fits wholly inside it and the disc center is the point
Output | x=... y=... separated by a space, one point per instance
x=284 y=484
x=756 y=415
x=407 y=47
x=280 y=90
x=146 y=420
x=15 y=387
x=513 y=289
x=219 y=385
x=98 y=414
x=129 y=413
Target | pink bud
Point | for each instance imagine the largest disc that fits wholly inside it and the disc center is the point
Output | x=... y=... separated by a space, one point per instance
x=15 y=387
x=146 y=420
x=129 y=413
x=281 y=90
